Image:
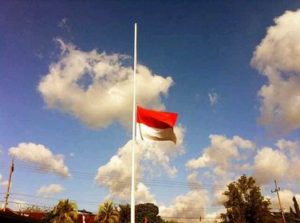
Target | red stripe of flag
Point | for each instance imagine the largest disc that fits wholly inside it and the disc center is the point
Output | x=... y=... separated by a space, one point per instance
x=156 y=119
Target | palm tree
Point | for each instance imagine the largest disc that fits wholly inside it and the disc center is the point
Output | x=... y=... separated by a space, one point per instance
x=64 y=212
x=107 y=213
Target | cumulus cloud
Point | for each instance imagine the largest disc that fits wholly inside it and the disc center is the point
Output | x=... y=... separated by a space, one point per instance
x=220 y=153
x=190 y=205
x=286 y=198
x=287 y=144
x=223 y=160
x=143 y=194
x=50 y=190
x=41 y=157
x=281 y=163
x=96 y=87
x=213 y=217
x=277 y=57
x=213 y=98
x=151 y=156
x=116 y=174
x=219 y=186
x=218 y=195
x=193 y=181
x=270 y=164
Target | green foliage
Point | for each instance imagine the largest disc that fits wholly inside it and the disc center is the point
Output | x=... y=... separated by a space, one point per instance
x=245 y=203
x=142 y=211
x=148 y=210
x=64 y=212
x=124 y=213
x=107 y=213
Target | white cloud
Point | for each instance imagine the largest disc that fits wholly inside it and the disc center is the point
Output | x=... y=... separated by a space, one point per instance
x=293 y=173
x=270 y=164
x=116 y=174
x=286 y=198
x=50 y=190
x=190 y=205
x=220 y=153
x=97 y=87
x=213 y=217
x=281 y=163
x=193 y=181
x=218 y=189
x=287 y=144
x=155 y=157
x=213 y=98
x=143 y=194
x=277 y=57
x=224 y=160
x=218 y=197
x=41 y=157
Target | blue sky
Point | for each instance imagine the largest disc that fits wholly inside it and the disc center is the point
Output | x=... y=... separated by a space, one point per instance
x=206 y=47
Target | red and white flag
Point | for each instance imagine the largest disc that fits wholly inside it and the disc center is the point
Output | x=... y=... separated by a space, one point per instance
x=156 y=125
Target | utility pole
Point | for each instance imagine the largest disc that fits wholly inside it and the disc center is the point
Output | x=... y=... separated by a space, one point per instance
x=12 y=166
x=277 y=189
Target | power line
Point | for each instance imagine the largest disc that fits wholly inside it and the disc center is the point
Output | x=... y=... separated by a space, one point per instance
x=16 y=194
x=82 y=174
x=152 y=182
x=52 y=198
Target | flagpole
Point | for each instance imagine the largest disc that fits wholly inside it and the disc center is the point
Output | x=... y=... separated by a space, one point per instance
x=132 y=216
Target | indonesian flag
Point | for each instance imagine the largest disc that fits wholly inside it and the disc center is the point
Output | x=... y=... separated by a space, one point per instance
x=156 y=125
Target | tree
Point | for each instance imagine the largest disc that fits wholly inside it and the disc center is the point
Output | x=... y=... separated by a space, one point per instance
x=296 y=206
x=124 y=213
x=107 y=213
x=293 y=216
x=149 y=211
x=245 y=203
x=64 y=212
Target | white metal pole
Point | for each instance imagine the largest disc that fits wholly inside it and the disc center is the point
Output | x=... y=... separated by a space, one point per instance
x=132 y=216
